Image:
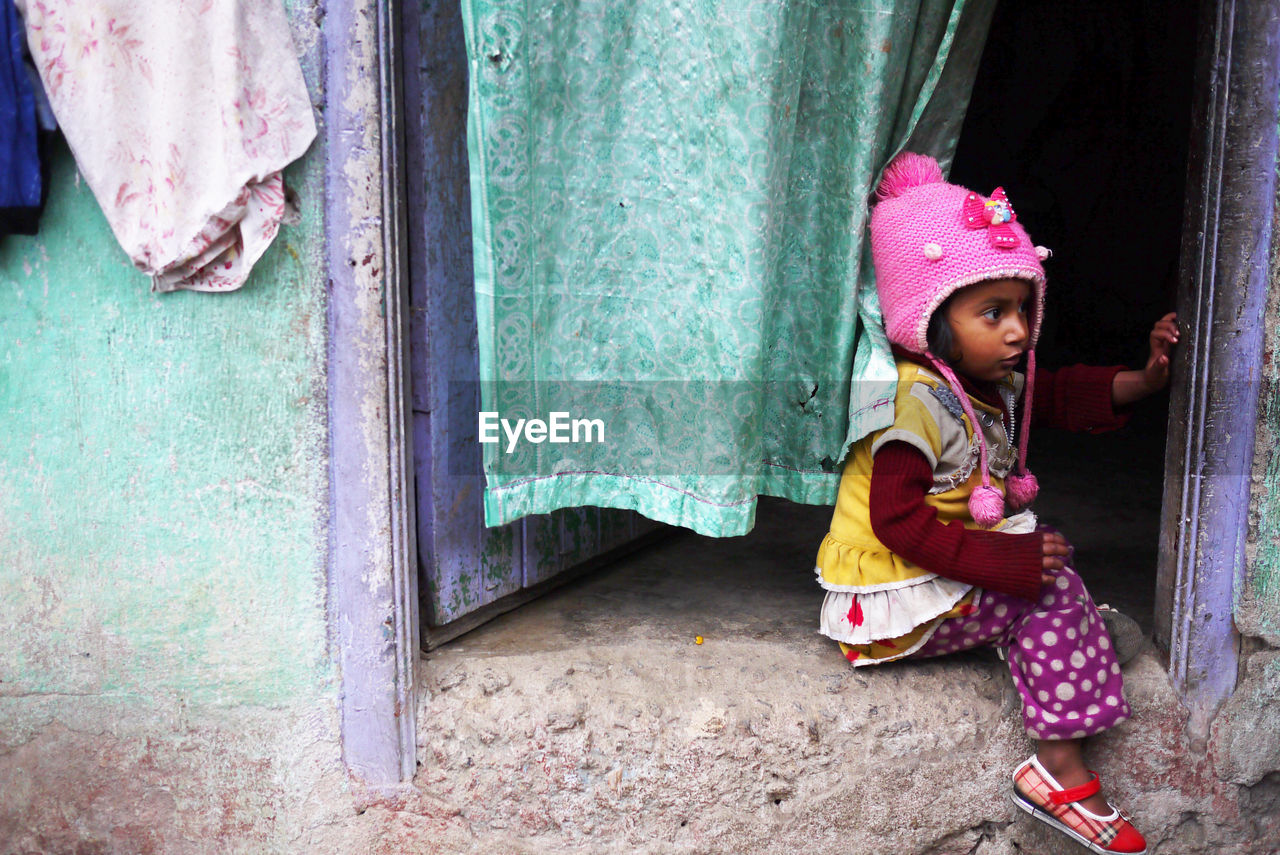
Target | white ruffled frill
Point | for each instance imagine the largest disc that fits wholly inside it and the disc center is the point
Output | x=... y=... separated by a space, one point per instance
x=891 y=612
x=887 y=614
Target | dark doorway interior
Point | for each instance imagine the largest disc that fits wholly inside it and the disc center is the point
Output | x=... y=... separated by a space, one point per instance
x=1081 y=111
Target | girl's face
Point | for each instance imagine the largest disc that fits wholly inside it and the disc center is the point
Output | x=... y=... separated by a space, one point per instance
x=989 y=325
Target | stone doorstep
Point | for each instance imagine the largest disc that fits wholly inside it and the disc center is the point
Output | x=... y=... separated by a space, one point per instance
x=746 y=746
x=591 y=721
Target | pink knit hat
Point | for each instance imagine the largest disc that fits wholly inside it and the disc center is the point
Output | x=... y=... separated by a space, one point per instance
x=928 y=240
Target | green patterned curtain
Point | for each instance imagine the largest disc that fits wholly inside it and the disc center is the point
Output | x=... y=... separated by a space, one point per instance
x=669 y=203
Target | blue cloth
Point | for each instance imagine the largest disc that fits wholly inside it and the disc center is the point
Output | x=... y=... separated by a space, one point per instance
x=20 y=177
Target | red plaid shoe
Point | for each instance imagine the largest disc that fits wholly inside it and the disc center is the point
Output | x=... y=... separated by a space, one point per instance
x=1036 y=792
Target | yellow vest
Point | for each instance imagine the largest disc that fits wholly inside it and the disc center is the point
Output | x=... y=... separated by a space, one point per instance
x=899 y=602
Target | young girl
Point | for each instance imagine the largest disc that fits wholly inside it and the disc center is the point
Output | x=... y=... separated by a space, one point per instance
x=930 y=550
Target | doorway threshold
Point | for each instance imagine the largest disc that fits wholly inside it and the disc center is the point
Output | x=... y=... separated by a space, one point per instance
x=682 y=700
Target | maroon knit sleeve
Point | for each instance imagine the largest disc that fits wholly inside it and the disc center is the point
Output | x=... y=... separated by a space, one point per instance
x=903 y=522
x=1077 y=397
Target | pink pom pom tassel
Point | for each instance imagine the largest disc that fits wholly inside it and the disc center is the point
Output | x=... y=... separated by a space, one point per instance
x=1021 y=489
x=908 y=170
x=986 y=505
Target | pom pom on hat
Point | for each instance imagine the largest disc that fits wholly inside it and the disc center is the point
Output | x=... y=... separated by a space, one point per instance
x=986 y=505
x=906 y=171
x=1021 y=489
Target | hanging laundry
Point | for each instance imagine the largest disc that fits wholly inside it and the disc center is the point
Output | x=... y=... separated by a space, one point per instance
x=180 y=116
x=20 y=177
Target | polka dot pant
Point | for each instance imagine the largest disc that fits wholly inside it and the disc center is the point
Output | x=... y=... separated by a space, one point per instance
x=1058 y=651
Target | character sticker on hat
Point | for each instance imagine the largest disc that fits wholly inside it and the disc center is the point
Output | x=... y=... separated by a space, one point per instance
x=994 y=215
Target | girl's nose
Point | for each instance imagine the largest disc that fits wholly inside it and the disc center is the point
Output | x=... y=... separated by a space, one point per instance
x=1018 y=330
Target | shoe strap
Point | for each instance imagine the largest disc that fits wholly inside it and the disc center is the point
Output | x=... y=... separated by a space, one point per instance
x=1076 y=794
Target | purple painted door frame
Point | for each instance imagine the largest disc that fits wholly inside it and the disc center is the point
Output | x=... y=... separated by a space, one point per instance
x=1213 y=411
x=372 y=583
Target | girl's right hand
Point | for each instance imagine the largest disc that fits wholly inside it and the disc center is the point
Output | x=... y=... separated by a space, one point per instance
x=1054 y=548
x=1163 y=339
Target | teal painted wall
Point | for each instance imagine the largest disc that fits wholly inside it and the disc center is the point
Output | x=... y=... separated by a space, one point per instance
x=165 y=670
x=162 y=467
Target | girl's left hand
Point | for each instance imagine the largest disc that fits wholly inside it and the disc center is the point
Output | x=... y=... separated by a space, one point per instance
x=1055 y=552
x=1164 y=336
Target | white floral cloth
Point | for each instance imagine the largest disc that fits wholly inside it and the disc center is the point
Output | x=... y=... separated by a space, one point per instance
x=180 y=114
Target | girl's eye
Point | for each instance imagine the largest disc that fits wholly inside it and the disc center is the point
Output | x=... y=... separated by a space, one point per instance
x=992 y=314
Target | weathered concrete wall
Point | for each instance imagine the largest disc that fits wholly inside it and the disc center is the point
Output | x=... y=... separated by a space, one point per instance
x=1258 y=607
x=165 y=677
x=1247 y=732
